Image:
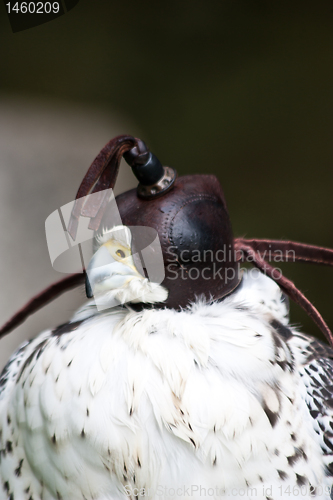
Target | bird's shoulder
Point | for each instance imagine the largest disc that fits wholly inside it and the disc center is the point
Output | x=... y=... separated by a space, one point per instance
x=315 y=366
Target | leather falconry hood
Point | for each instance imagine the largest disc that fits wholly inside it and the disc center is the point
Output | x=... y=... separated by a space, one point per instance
x=189 y=213
x=195 y=233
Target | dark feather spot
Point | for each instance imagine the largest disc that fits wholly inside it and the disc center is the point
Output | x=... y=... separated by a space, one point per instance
x=9 y=446
x=300 y=480
x=329 y=402
x=314 y=413
x=313 y=382
x=322 y=428
x=329 y=469
x=54 y=439
x=283 y=365
x=18 y=470
x=328 y=442
x=317 y=404
x=272 y=416
x=326 y=393
x=83 y=434
x=293 y=458
x=316 y=393
x=312 y=491
x=281 y=329
x=283 y=475
x=324 y=379
x=66 y=328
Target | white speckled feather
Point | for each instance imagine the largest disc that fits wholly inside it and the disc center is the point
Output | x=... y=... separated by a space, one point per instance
x=214 y=396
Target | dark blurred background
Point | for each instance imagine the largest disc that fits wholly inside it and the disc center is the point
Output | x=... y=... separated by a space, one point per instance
x=242 y=89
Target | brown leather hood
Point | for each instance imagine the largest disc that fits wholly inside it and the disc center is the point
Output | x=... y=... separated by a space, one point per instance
x=195 y=233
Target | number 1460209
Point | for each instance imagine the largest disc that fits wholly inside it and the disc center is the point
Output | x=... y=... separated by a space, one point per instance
x=33 y=7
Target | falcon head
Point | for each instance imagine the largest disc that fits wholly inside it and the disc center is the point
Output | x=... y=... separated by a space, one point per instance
x=115 y=275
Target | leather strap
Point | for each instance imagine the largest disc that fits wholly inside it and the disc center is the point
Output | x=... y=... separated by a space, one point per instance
x=101 y=175
x=40 y=300
x=290 y=250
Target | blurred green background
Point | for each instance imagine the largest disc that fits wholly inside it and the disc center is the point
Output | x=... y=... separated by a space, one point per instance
x=242 y=89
